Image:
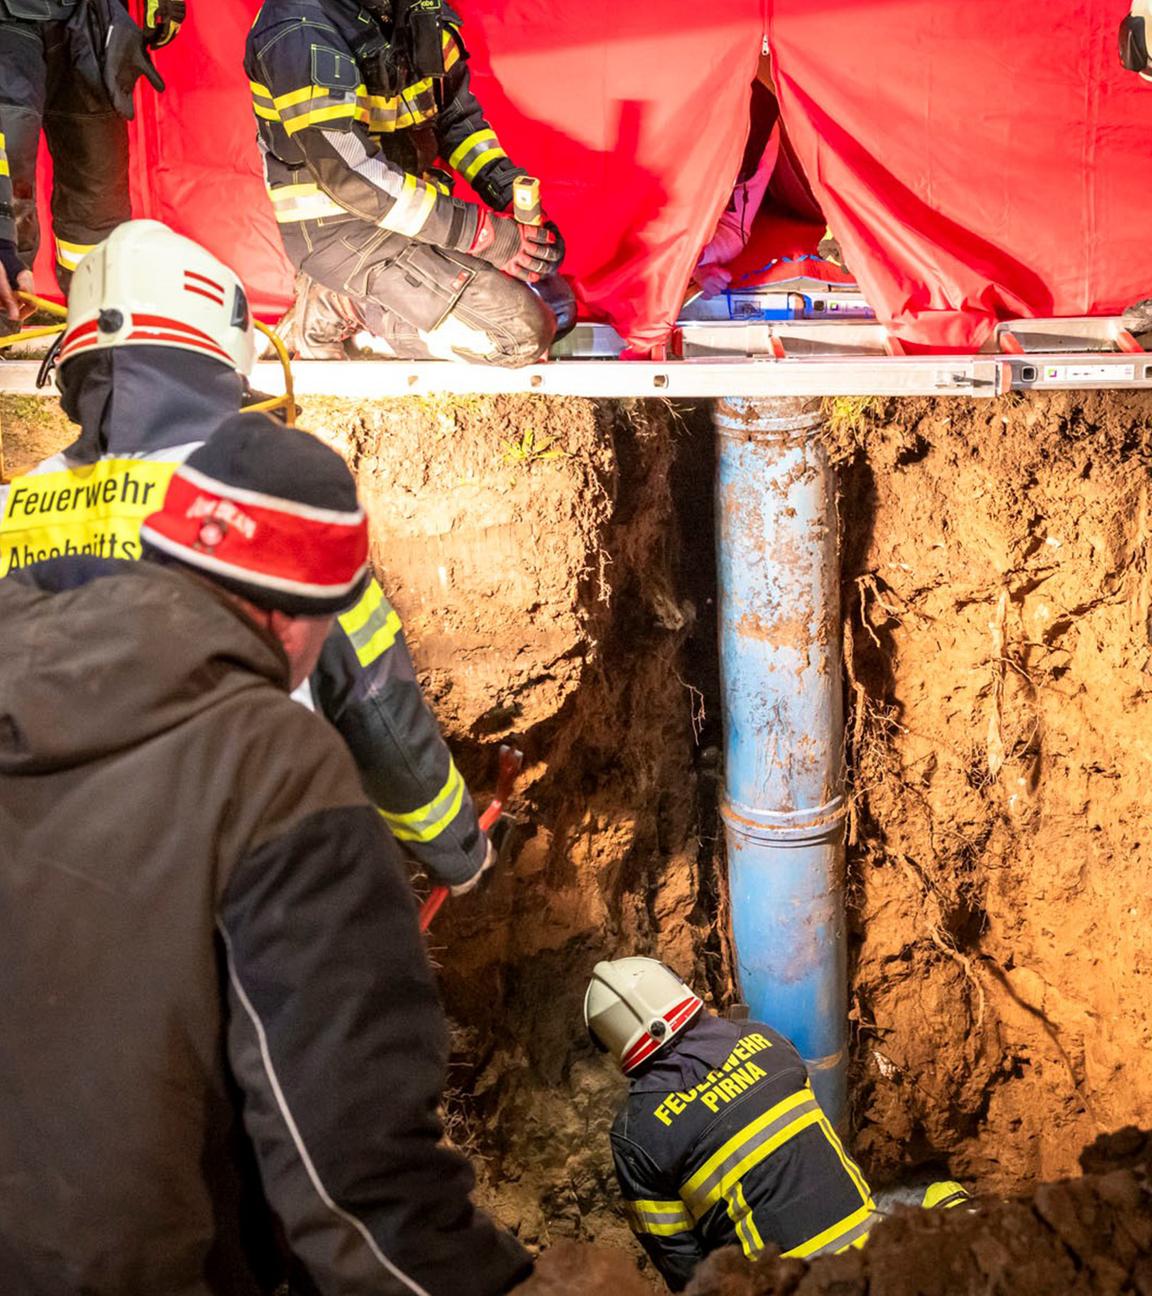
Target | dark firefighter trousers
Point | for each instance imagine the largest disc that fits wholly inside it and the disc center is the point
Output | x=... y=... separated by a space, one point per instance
x=39 y=89
x=423 y=302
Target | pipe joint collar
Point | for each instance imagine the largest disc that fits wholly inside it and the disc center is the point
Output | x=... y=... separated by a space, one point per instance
x=783 y=419
x=787 y=828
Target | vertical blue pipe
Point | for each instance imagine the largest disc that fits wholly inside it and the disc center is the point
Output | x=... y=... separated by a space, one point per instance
x=783 y=809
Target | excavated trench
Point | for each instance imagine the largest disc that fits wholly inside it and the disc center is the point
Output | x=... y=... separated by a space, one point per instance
x=552 y=560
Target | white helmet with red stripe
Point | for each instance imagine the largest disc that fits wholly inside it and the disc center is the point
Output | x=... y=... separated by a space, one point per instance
x=634 y=1006
x=146 y=285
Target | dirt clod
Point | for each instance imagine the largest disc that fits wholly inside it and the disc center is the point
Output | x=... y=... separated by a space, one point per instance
x=577 y=1269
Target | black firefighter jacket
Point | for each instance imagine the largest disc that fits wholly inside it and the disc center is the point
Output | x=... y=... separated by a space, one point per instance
x=721 y=1142
x=339 y=146
x=211 y=965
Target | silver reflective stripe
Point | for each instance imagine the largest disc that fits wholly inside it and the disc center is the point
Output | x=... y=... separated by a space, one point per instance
x=658 y=1218
x=305 y=108
x=350 y=147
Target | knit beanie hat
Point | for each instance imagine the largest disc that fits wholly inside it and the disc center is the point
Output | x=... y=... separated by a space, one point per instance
x=269 y=513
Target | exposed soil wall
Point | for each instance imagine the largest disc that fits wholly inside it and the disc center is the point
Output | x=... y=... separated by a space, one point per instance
x=531 y=546
x=997 y=593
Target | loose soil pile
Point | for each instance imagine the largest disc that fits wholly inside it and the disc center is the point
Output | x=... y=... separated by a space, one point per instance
x=1080 y=1237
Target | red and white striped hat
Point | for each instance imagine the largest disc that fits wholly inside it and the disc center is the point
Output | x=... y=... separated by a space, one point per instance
x=269 y=513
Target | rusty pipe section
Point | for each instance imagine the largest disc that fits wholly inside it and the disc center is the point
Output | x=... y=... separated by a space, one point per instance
x=783 y=808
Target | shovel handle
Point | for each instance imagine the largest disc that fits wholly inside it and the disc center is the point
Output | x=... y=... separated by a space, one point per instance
x=510 y=763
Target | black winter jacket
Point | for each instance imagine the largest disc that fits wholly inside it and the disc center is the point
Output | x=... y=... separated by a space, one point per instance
x=219 y=1024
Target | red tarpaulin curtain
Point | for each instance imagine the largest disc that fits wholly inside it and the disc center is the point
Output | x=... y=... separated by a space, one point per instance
x=977 y=161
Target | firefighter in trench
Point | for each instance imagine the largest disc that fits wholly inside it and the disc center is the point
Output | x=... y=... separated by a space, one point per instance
x=223 y=1047
x=361 y=106
x=152 y=362
x=68 y=68
x=721 y=1140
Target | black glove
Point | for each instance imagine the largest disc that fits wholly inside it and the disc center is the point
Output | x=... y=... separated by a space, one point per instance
x=125 y=62
x=551 y=225
x=526 y=252
x=162 y=19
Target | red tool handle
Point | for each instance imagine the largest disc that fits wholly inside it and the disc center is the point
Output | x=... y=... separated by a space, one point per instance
x=510 y=762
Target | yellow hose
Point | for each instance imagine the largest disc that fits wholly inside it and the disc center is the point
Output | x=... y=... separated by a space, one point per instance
x=287 y=402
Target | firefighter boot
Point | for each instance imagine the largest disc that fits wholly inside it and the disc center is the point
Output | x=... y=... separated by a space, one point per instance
x=319 y=322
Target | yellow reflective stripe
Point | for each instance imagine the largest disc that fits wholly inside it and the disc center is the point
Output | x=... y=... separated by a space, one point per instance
x=477 y=137
x=836 y=1233
x=3 y=162
x=658 y=1218
x=412 y=208
x=294 y=125
x=750 y=1240
x=764 y=1135
x=372 y=625
x=358 y=616
x=71 y=254
x=427 y=823
x=850 y=1166
x=267 y=114
x=414 y=104
x=473 y=169
x=302 y=95
x=381 y=641
x=303 y=202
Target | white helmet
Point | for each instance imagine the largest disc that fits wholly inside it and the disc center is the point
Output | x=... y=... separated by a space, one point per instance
x=146 y=285
x=634 y=1006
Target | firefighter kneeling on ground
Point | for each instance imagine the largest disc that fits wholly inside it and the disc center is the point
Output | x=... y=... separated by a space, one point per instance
x=152 y=363
x=357 y=103
x=721 y=1141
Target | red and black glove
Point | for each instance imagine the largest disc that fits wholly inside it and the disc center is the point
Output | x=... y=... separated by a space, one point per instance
x=162 y=19
x=527 y=252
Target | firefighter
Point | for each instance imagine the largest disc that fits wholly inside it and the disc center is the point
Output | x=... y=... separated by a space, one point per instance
x=153 y=360
x=222 y=1039
x=14 y=276
x=357 y=102
x=69 y=67
x=721 y=1141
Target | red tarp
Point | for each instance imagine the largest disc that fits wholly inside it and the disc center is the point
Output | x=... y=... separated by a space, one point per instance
x=977 y=161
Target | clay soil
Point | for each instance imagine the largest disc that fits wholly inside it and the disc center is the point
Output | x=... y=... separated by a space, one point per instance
x=997 y=600
x=552 y=563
